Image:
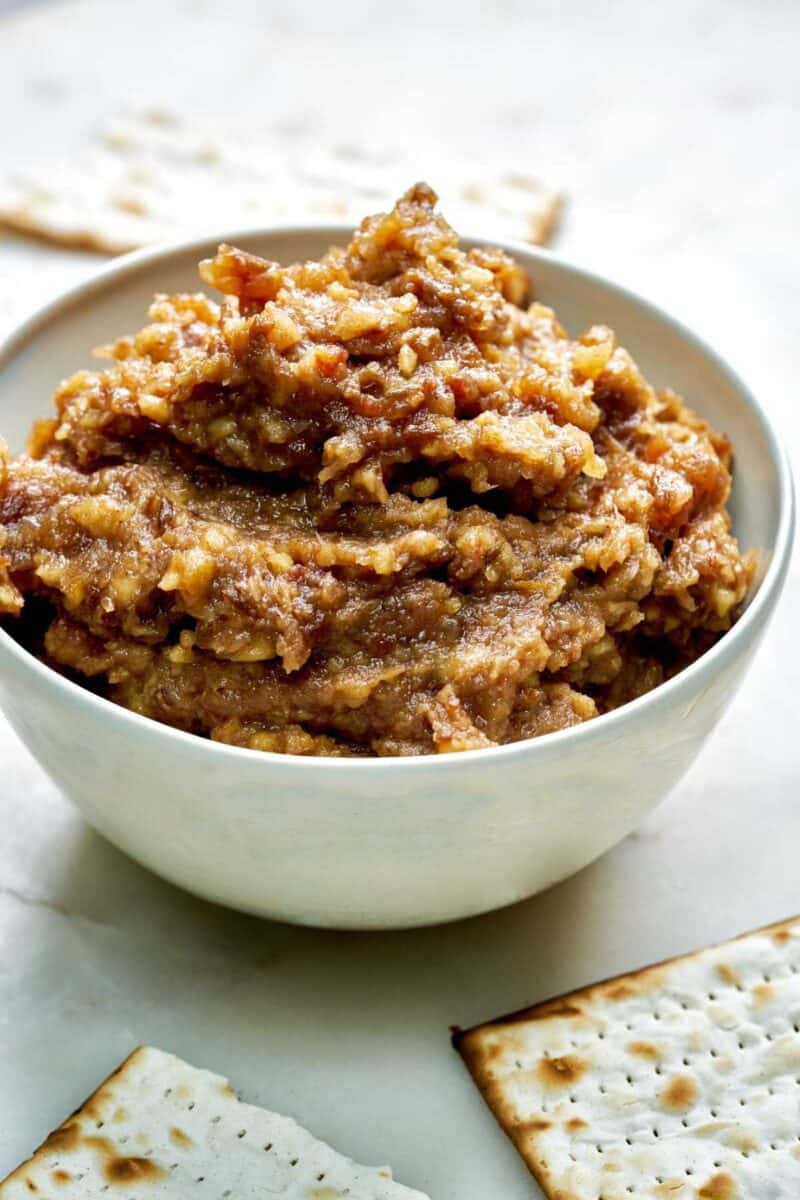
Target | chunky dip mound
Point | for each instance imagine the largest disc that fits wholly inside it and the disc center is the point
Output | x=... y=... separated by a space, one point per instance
x=373 y=505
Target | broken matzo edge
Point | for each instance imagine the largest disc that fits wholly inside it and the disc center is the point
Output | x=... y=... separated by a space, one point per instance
x=677 y=1082
x=160 y=1128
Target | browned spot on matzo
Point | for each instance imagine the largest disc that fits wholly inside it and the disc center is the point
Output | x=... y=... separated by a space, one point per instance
x=719 y=1187
x=535 y=1126
x=99 y=1145
x=623 y=992
x=66 y=1138
x=727 y=974
x=60 y=1176
x=180 y=1138
x=575 y=1124
x=679 y=1093
x=671 y=1189
x=132 y=1169
x=561 y=1072
x=497 y=1051
x=557 y=1009
x=763 y=993
x=645 y=1050
x=550 y=1009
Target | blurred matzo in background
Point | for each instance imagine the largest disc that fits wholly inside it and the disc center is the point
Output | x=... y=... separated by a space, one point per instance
x=153 y=175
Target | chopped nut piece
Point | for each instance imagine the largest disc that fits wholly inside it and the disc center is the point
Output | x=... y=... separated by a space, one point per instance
x=407 y=361
x=155 y=408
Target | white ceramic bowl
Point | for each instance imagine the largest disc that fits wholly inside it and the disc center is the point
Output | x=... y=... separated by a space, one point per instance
x=386 y=842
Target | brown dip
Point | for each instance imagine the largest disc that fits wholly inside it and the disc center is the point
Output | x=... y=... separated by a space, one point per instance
x=370 y=505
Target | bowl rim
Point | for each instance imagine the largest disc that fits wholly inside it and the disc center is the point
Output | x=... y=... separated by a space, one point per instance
x=708 y=664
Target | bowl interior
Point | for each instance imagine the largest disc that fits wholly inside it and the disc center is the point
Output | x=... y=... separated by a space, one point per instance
x=32 y=364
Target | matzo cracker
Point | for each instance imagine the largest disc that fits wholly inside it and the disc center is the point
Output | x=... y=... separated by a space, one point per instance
x=152 y=176
x=160 y=1128
x=678 y=1082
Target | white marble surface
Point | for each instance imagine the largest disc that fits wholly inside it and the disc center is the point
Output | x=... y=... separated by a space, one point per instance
x=675 y=132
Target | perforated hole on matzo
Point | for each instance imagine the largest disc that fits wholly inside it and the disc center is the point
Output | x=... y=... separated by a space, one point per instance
x=677 y=1082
